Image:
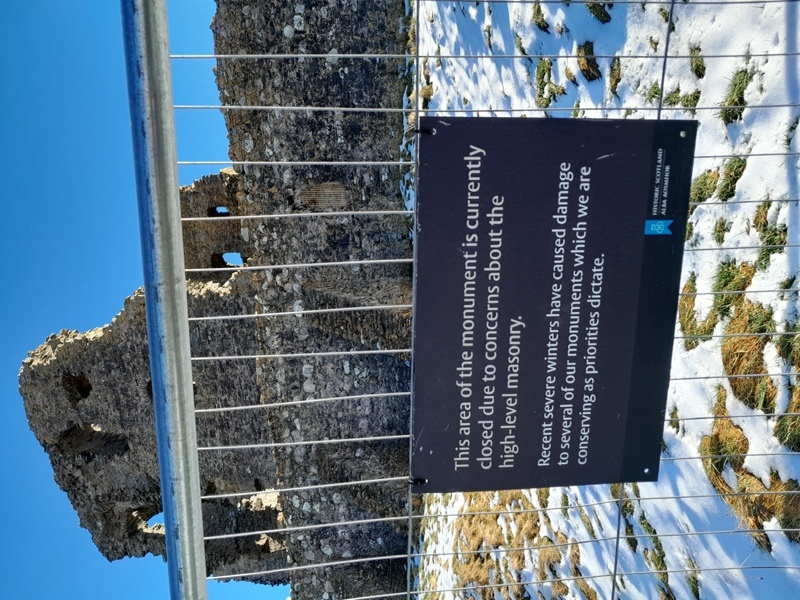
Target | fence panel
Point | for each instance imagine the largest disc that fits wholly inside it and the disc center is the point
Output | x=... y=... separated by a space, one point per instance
x=298 y=270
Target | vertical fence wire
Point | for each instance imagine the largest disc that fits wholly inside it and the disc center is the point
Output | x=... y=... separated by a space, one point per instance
x=426 y=518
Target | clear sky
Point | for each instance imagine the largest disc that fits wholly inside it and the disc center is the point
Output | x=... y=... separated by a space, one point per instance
x=70 y=249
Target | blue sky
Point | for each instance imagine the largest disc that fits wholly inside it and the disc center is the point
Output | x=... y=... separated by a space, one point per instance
x=70 y=248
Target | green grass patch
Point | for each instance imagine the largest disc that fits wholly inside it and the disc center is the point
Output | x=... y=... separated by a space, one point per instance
x=674 y=422
x=703 y=187
x=732 y=279
x=576 y=110
x=598 y=10
x=689 y=101
x=615 y=75
x=696 y=62
x=546 y=90
x=734 y=103
x=734 y=169
x=665 y=16
x=655 y=557
x=627 y=510
x=773 y=236
x=789 y=344
x=538 y=18
x=673 y=98
x=721 y=227
x=653 y=93
x=787 y=427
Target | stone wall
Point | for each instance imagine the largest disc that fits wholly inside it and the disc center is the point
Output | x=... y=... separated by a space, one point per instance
x=88 y=396
x=89 y=402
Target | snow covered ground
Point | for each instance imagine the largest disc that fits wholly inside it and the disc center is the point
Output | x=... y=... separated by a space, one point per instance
x=687 y=541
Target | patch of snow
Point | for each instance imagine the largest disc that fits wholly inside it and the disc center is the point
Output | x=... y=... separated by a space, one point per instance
x=694 y=525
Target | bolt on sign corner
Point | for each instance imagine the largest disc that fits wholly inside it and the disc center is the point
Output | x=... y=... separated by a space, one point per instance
x=547 y=263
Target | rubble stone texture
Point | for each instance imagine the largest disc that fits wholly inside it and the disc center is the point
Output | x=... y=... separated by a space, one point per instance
x=88 y=396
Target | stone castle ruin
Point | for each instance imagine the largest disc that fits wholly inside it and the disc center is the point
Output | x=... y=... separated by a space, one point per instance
x=88 y=395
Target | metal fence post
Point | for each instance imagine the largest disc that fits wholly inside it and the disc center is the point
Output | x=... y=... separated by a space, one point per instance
x=153 y=127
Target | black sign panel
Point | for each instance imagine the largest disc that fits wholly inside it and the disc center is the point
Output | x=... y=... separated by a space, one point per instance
x=548 y=258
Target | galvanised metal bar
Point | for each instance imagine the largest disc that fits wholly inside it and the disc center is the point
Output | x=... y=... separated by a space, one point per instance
x=152 y=122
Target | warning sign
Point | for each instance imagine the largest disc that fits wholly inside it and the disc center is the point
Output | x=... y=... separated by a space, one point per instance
x=548 y=258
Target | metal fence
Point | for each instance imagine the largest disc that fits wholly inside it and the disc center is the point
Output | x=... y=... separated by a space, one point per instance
x=310 y=334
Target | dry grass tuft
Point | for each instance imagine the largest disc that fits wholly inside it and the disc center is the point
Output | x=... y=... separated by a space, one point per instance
x=756 y=508
x=744 y=355
x=476 y=536
x=732 y=279
x=785 y=506
x=587 y=522
x=479 y=536
x=549 y=557
x=687 y=316
x=575 y=561
x=486 y=547
x=543 y=496
x=587 y=62
x=726 y=446
x=615 y=76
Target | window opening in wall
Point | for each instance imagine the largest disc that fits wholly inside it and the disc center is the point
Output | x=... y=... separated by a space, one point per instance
x=233 y=259
x=219 y=211
x=77 y=387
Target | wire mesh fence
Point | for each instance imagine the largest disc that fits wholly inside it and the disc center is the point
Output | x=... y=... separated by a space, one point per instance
x=301 y=354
